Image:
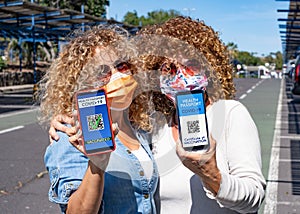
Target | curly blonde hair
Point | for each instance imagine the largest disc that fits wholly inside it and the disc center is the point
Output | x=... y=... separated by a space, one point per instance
x=204 y=40
x=76 y=67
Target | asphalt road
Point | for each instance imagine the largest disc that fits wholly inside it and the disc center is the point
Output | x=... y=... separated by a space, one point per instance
x=24 y=182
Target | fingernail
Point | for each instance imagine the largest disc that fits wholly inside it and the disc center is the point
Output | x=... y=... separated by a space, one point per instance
x=79 y=132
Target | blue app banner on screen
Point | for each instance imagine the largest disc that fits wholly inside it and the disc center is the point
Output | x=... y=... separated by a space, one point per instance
x=192 y=119
x=190 y=104
x=95 y=123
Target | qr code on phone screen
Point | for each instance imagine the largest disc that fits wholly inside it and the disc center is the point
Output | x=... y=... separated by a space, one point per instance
x=95 y=122
x=193 y=126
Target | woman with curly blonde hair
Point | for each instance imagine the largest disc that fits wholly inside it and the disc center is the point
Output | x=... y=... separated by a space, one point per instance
x=181 y=55
x=228 y=177
x=98 y=57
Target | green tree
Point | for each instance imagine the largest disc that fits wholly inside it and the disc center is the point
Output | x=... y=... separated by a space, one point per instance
x=248 y=58
x=278 y=60
x=160 y=16
x=92 y=7
x=131 y=18
x=275 y=58
x=154 y=17
x=233 y=50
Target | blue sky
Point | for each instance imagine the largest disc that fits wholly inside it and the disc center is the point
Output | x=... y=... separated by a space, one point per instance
x=251 y=24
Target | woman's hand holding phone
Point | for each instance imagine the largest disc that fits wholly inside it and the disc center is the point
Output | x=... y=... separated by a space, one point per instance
x=75 y=136
x=99 y=160
x=202 y=164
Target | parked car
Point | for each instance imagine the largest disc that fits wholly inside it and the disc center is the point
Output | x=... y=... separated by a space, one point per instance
x=289 y=67
x=296 y=76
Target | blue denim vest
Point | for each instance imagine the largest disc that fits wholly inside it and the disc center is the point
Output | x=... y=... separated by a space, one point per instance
x=126 y=189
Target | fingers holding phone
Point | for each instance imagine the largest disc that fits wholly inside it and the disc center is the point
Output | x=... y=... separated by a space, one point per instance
x=100 y=160
x=196 y=158
x=202 y=164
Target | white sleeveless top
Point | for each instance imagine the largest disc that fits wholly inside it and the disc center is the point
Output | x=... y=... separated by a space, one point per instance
x=145 y=161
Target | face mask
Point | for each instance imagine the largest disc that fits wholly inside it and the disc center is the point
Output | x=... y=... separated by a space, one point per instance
x=120 y=90
x=180 y=78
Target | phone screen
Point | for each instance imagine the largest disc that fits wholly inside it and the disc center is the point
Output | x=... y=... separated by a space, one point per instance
x=95 y=121
x=192 y=120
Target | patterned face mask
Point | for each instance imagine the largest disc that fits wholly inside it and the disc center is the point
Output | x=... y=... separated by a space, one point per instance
x=176 y=77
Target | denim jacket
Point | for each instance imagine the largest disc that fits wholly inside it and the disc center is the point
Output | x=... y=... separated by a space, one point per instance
x=126 y=189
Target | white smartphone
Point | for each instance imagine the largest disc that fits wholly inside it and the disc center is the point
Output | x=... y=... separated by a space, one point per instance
x=191 y=112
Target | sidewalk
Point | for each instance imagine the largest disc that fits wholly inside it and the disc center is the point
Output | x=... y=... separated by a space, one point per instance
x=16 y=87
x=15 y=100
x=283 y=191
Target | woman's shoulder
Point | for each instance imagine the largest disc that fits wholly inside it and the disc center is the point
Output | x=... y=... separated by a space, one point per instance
x=228 y=105
x=62 y=143
x=61 y=150
x=229 y=102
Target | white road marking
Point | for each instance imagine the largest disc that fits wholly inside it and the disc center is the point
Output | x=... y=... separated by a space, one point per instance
x=272 y=187
x=16 y=106
x=292 y=137
x=17 y=95
x=243 y=96
x=289 y=203
x=11 y=129
x=250 y=90
x=289 y=160
x=290 y=122
x=18 y=112
x=257 y=84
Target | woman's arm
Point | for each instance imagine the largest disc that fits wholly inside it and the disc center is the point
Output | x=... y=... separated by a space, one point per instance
x=87 y=199
x=241 y=187
x=204 y=165
x=87 y=196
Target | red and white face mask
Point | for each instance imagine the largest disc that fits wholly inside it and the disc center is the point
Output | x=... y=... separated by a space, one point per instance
x=177 y=77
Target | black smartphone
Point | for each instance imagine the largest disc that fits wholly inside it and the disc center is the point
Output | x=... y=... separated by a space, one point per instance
x=192 y=121
x=95 y=121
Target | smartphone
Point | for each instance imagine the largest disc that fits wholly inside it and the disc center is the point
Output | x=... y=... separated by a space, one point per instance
x=95 y=121
x=192 y=121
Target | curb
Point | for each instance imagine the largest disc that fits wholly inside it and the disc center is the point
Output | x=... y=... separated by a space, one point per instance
x=16 y=87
